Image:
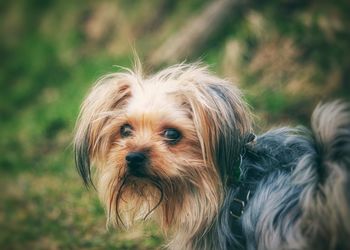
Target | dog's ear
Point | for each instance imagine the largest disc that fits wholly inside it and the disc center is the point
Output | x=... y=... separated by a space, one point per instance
x=104 y=102
x=222 y=121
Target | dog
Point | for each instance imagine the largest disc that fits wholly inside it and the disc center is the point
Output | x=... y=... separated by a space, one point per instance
x=178 y=146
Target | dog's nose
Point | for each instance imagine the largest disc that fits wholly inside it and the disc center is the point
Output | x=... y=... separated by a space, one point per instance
x=136 y=162
x=135 y=159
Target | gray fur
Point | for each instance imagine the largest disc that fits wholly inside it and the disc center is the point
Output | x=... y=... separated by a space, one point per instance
x=301 y=181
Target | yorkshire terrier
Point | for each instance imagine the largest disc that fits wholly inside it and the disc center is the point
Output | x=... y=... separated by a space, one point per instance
x=178 y=146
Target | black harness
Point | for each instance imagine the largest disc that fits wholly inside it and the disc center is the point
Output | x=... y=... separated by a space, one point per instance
x=244 y=191
x=240 y=201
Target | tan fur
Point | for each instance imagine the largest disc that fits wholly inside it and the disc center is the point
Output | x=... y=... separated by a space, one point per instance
x=184 y=189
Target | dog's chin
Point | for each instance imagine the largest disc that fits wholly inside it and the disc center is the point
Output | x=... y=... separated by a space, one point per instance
x=138 y=174
x=141 y=188
x=138 y=196
x=139 y=182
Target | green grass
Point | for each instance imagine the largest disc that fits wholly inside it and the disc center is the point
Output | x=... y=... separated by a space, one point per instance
x=44 y=204
x=53 y=211
x=44 y=77
x=49 y=61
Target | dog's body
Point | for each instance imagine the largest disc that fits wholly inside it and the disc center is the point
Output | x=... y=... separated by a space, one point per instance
x=178 y=146
x=300 y=182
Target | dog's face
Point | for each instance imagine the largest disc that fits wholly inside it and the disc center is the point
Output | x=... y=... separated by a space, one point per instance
x=161 y=144
x=155 y=137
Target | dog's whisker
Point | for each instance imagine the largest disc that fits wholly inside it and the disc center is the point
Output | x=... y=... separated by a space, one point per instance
x=117 y=201
x=158 y=186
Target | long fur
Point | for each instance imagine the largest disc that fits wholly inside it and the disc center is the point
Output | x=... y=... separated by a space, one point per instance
x=302 y=187
x=299 y=178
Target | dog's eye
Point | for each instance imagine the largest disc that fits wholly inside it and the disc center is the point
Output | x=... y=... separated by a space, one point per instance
x=125 y=130
x=172 y=135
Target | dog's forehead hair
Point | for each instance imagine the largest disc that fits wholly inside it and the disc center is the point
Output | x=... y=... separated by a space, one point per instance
x=156 y=99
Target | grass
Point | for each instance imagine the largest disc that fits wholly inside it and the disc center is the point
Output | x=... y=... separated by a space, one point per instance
x=43 y=203
x=51 y=57
x=50 y=211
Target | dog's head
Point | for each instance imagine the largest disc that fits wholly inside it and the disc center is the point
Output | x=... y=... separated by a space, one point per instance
x=167 y=143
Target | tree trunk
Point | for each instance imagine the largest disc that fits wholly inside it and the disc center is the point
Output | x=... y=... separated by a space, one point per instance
x=195 y=33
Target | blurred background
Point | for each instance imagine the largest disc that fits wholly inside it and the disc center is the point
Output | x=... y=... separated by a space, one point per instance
x=285 y=55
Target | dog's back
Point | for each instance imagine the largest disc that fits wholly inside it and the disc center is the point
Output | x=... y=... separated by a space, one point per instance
x=301 y=184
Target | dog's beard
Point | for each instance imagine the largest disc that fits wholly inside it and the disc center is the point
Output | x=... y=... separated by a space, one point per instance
x=139 y=196
x=130 y=198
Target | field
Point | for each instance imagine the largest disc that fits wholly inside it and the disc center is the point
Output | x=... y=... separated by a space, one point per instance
x=286 y=57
